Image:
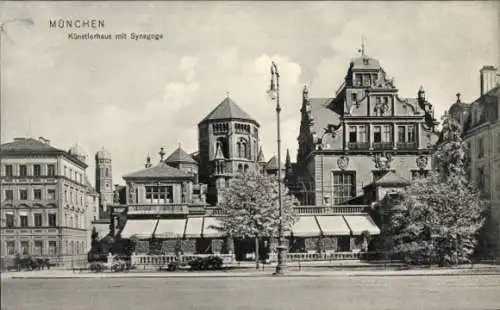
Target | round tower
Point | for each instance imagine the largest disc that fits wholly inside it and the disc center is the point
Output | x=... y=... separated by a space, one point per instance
x=104 y=180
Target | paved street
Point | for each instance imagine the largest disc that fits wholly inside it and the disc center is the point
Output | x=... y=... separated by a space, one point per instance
x=341 y=292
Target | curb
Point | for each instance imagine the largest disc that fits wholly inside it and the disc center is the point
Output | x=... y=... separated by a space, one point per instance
x=253 y=275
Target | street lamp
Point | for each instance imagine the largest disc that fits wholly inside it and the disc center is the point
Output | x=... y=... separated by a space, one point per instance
x=26 y=21
x=274 y=94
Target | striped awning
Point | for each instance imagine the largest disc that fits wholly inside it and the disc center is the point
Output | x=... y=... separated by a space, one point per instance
x=193 y=227
x=138 y=228
x=306 y=226
x=333 y=225
x=208 y=231
x=360 y=223
x=170 y=228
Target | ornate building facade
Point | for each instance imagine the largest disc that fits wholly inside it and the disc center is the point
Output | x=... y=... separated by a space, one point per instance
x=174 y=204
x=353 y=139
x=481 y=130
x=45 y=198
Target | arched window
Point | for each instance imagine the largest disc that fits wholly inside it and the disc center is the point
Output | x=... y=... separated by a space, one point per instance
x=222 y=143
x=238 y=148
x=243 y=149
x=240 y=168
x=246 y=168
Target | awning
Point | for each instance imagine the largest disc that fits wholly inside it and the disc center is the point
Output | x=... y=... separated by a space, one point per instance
x=208 y=231
x=193 y=227
x=360 y=223
x=138 y=228
x=306 y=226
x=171 y=228
x=333 y=225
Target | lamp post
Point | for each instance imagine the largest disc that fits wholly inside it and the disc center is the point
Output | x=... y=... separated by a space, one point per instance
x=27 y=21
x=274 y=94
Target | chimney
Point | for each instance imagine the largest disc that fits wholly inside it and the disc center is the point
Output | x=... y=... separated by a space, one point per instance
x=488 y=78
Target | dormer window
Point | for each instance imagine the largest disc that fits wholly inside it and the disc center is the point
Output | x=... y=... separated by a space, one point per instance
x=365 y=61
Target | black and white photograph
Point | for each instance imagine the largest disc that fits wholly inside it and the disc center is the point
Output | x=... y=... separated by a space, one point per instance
x=250 y=155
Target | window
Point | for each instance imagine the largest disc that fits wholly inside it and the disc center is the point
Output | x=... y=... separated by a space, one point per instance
x=38 y=219
x=343 y=186
x=353 y=134
x=107 y=172
x=51 y=194
x=401 y=133
x=480 y=148
x=23 y=194
x=159 y=194
x=51 y=170
x=8 y=170
x=411 y=134
x=354 y=97
x=70 y=173
x=65 y=171
x=9 y=194
x=52 y=248
x=387 y=133
x=480 y=178
x=38 y=249
x=242 y=148
x=65 y=195
x=52 y=220
x=11 y=248
x=77 y=221
x=37 y=194
x=377 y=134
x=37 y=171
x=9 y=220
x=357 y=79
x=362 y=134
x=23 y=170
x=25 y=247
x=23 y=219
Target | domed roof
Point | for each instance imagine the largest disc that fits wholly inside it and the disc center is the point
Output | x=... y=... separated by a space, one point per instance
x=103 y=154
x=78 y=152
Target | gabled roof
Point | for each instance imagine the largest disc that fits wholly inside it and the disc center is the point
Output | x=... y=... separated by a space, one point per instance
x=272 y=164
x=162 y=170
x=227 y=109
x=391 y=178
x=218 y=153
x=321 y=114
x=180 y=156
x=260 y=157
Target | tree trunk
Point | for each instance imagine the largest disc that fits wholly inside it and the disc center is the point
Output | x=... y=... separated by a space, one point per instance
x=257 y=258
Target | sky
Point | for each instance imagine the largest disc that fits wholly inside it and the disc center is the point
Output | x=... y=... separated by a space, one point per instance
x=133 y=97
